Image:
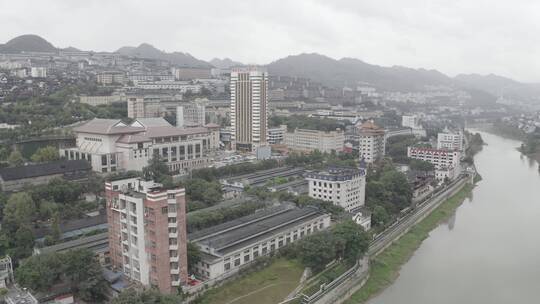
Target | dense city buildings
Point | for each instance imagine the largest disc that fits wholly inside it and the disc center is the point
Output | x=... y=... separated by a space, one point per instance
x=190 y=115
x=304 y=140
x=371 y=141
x=450 y=140
x=111 y=145
x=147 y=232
x=249 y=108
x=228 y=247
x=344 y=187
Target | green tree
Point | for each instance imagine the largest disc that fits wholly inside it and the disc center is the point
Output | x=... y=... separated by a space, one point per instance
x=22 y=244
x=379 y=216
x=15 y=159
x=79 y=268
x=193 y=256
x=45 y=154
x=84 y=272
x=39 y=272
x=156 y=170
x=421 y=165
x=318 y=250
x=20 y=209
x=352 y=240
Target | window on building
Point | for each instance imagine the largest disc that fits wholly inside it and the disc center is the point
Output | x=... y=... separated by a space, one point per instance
x=104 y=160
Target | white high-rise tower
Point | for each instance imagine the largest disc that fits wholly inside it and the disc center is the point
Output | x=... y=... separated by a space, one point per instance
x=249 y=107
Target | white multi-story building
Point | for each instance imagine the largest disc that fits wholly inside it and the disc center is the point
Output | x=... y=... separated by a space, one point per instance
x=181 y=86
x=410 y=121
x=304 y=140
x=38 y=72
x=101 y=100
x=111 y=77
x=371 y=141
x=446 y=162
x=344 y=187
x=190 y=115
x=450 y=140
x=276 y=135
x=111 y=145
x=249 y=108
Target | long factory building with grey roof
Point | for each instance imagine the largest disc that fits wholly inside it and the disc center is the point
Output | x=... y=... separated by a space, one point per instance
x=228 y=247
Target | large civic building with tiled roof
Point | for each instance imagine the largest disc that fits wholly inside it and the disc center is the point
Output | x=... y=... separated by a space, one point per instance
x=228 y=247
x=111 y=145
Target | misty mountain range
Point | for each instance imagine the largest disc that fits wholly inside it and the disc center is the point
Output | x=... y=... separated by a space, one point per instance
x=328 y=71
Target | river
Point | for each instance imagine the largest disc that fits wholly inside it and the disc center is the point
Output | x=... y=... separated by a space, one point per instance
x=489 y=250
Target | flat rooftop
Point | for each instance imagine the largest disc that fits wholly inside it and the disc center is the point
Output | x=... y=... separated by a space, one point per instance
x=241 y=232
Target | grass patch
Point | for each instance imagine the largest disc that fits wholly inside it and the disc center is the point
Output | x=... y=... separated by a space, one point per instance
x=267 y=286
x=326 y=276
x=385 y=267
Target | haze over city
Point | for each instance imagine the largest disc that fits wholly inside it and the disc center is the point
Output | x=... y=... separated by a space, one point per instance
x=451 y=36
x=269 y=152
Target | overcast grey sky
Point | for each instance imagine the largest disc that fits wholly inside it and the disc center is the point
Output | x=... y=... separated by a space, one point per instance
x=453 y=36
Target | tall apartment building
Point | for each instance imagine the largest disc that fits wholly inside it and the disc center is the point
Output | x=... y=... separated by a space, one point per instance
x=371 y=141
x=344 y=187
x=249 y=107
x=190 y=115
x=111 y=145
x=304 y=140
x=450 y=140
x=147 y=232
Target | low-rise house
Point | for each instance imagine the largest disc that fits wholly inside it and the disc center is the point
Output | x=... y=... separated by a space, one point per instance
x=15 y=178
x=228 y=247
